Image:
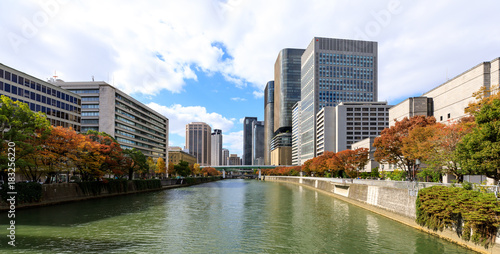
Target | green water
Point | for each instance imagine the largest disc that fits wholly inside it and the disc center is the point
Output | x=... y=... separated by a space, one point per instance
x=230 y=216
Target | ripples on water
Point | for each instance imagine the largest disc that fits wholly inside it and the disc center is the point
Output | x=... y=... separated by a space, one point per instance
x=230 y=216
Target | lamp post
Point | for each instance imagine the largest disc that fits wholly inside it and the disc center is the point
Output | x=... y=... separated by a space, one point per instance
x=415 y=168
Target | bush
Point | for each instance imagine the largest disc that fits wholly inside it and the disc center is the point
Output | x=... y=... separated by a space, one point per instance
x=26 y=192
x=438 y=207
x=147 y=184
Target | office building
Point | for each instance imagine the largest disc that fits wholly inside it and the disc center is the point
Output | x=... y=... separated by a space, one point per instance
x=281 y=149
x=258 y=143
x=334 y=71
x=133 y=124
x=339 y=127
x=234 y=160
x=198 y=142
x=368 y=144
x=225 y=157
x=216 y=146
x=176 y=155
x=448 y=101
x=268 y=120
x=287 y=89
x=62 y=107
x=296 y=142
x=247 y=140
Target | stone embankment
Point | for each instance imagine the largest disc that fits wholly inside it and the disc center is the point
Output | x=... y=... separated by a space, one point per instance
x=392 y=199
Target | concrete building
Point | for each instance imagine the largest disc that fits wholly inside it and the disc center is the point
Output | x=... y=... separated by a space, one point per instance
x=198 y=142
x=450 y=99
x=258 y=143
x=225 y=157
x=287 y=71
x=247 y=140
x=216 y=146
x=296 y=141
x=133 y=124
x=334 y=71
x=176 y=154
x=339 y=127
x=268 y=120
x=62 y=107
x=281 y=149
x=368 y=144
x=234 y=159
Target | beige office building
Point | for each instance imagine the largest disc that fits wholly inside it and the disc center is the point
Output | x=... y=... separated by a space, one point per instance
x=198 y=142
x=133 y=124
x=176 y=155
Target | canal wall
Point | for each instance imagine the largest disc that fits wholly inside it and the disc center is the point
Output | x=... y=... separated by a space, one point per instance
x=395 y=200
x=70 y=192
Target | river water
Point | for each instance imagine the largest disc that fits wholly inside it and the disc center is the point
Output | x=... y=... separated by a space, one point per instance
x=229 y=216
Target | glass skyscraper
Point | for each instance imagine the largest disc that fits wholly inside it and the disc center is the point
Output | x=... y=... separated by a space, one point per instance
x=334 y=71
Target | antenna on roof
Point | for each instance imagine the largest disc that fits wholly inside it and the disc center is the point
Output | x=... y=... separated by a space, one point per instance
x=92 y=78
x=55 y=75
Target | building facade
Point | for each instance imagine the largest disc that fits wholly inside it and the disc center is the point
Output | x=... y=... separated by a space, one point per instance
x=281 y=149
x=225 y=157
x=258 y=143
x=268 y=120
x=334 y=71
x=176 y=154
x=296 y=142
x=234 y=160
x=198 y=142
x=368 y=144
x=247 y=140
x=287 y=77
x=133 y=124
x=349 y=122
x=62 y=107
x=450 y=99
x=216 y=146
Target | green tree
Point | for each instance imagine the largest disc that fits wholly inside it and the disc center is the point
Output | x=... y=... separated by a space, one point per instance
x=182 y=168
x=26 y=129
x=135 y=162
x=479 y=151
x=151 y=166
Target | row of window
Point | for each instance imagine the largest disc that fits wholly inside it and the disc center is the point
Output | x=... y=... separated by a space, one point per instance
x=37 y=86
x=85 y=91
x=349 y=60
x=346 y=84
x=37 y=97
x=139 y=125
x=48 y=111
x=145 y=111
x=345 y=72
x=366 y=123
x=138 y=131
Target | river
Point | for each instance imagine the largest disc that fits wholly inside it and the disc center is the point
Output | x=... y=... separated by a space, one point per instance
x=229 y=216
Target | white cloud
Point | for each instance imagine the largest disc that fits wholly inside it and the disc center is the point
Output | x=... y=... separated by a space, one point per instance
x=258 y=94
x=241 y=120
x=179 y=116
x=238 y=99
x=418 y=45
x=234 y=142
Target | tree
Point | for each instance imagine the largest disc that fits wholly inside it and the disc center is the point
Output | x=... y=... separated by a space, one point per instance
x=135 y=162
x=483 y=96
x=196 y=169
x=182 y=168
x=160 y=166
x=209 y=171
x=26 y=129
x=479 y=151
x=114 y=162
x=389 y=144
x=349 y=161
x=151 y=166
x=171 y=169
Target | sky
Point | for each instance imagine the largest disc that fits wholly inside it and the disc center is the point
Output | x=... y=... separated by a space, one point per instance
x=209 y=60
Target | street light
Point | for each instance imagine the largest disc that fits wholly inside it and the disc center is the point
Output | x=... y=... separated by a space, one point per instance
x=415 y=168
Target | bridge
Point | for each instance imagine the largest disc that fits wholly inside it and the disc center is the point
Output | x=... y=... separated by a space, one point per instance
x=243 y=168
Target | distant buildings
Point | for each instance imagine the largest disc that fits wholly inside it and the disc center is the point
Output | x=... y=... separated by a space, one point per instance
x=176 y=154
x=334 y=71
x=247 y=140
x=198 y=142
x=225 y=157
x=234 y=159
x=268 y=120
x=133 y=124
x=62 y=107
x=257 y=143
x=216 y=146
x=296 y=134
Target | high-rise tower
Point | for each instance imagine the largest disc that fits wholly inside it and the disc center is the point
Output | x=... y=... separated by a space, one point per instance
x=198 y=141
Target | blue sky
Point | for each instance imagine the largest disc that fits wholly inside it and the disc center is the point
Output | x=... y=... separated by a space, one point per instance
x=209 y=60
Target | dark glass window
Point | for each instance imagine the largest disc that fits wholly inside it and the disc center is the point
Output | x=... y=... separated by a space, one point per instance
x=38 y=87
x=63 y=105
x=21 y=81
x=14 y=78
x=7 y=88
x=1 y=73
x=7 y=75
x=33 y=85
x=38 y=98
x=27 y=93
x=44 y=89
x=1 y=86
x=58 y=94
x=44 y=99
x=49 y=91
x=37 y=108
x=32 y=106
x=27 y=82
x=33 y=96
x=14 y=90
x=58 y=104
x=44 y=109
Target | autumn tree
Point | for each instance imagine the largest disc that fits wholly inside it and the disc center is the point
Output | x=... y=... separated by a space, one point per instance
x=171 y=169
x=479 y=151
x=182 y=168
x=160 y=167
x=151 y=166
x=26 y=129
x=209 y=171
x=349 y=161
x=114 y=162
x=390 y=142
x=196 y=169
x=484 y=96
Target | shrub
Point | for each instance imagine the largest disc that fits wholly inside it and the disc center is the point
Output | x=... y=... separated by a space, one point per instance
x=26 y=192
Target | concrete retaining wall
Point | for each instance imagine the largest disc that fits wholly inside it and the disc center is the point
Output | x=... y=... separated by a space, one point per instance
x=386 y=198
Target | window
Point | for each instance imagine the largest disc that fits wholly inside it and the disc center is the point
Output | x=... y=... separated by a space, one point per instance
x=90 y=98
x=7 y=88
x=14 y=89
x=90 y=121
x=90 y=106
x=91 y=113
x=449 y=115
x=441 y=118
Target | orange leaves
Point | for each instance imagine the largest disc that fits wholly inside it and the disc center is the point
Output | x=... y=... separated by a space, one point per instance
x=209 y=171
